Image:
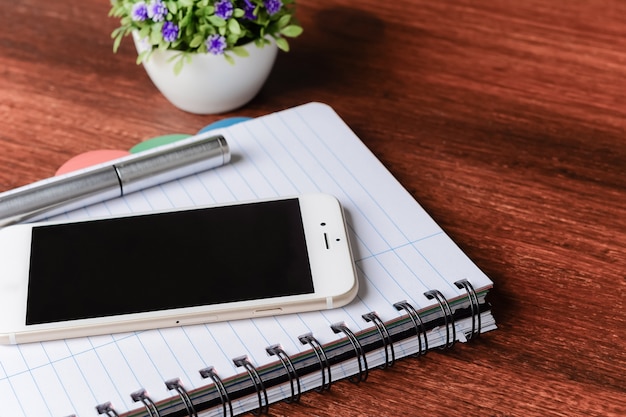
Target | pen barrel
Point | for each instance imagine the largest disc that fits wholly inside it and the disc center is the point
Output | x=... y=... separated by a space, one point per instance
x=119 y=177
x=56 y=195
x=179 y=161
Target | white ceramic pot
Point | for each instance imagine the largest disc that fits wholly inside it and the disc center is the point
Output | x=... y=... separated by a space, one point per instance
x=209 y=84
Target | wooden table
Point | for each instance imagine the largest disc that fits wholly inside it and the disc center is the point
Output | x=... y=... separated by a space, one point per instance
x=506 y=120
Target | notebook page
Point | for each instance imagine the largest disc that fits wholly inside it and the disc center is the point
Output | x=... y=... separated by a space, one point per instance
x=400 y=253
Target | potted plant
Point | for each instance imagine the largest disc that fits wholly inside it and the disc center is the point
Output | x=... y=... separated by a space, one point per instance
x=206 y=56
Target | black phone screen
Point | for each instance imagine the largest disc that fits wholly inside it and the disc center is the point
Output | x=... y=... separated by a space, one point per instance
x=167 y=260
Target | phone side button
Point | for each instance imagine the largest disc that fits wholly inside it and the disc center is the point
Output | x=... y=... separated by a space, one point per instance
x=268 y=311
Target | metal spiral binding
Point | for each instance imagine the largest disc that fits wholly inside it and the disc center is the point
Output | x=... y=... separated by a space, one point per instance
x=420 y=329
x=175 y=384
x=358 y=349
x=447 y=316
x=242 y=361
x=142 y=395
x=474 y=306
x=107 y=408
x=277 y=350
x=209 y=372
x=321 y=357
x=324 y=362
x=384 y=335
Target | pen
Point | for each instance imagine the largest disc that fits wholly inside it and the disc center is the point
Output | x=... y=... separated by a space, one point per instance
x=113 y=179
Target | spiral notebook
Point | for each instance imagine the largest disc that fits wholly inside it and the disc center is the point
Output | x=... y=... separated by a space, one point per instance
x=418 y=291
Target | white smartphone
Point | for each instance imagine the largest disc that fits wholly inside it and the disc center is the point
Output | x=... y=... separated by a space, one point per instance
x=173 y=268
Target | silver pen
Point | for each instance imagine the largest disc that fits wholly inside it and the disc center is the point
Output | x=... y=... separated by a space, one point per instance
x=113 y=179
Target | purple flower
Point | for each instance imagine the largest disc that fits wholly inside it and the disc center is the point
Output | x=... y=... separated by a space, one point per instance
x=139 y=12
x=223 y=9
x=216 y=44
x=157 y=11
x=169 y=32
x=273 y=6
x=248 y=9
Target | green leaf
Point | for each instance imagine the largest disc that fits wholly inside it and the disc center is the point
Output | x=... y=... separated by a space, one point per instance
x=155 y=34
x=292 y=31
x=204 y=11
x=143 y=57
x=240 y=51
x=232 y=39
x=229 y=59
x=238 y=13
x=284 y=21
x=217 y=21
x=234 y=27
x=191 y=29
x=186 y=17
x=144 y=32
x=178 y=66
x=282 y=44
x=171 y=6
x=116 y=43
x=196 y=41
x=174 y=57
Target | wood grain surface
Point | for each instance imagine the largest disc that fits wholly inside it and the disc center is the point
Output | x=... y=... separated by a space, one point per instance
x=506 y=120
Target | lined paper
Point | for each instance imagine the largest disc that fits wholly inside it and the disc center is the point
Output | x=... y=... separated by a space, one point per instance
x=400 y=253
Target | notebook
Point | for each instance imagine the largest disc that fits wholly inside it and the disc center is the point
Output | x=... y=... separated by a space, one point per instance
x=418 y=292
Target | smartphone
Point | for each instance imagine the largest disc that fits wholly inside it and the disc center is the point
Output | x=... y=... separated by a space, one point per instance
x=172 y=268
